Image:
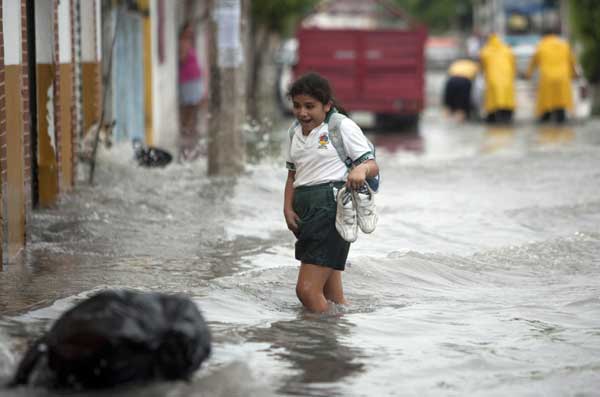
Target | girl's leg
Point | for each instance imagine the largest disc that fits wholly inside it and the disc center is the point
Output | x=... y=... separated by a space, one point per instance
x=310 y=286
x=333 y=289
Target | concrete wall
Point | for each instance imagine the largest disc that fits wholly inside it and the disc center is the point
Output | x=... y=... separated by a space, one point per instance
x=13 y=144
x=2 y=135
x=90 y=62
x=65 y=128
x=165 y=107
x=45 y=87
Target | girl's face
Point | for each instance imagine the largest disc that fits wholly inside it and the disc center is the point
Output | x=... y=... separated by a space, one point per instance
x=309 y=111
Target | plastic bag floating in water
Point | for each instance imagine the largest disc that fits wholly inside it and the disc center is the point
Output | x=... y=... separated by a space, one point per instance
x=118 y=337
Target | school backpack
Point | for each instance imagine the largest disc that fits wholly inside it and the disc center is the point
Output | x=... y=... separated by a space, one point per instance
x=334 y=120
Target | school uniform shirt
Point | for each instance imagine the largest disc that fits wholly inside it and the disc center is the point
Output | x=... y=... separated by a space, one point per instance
x=315 y=159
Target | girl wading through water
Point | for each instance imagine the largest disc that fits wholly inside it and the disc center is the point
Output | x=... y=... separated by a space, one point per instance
x=315 y=175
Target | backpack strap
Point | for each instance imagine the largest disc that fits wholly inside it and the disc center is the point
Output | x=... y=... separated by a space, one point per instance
x=336 y=138
x=291 y=132
x=334 y=119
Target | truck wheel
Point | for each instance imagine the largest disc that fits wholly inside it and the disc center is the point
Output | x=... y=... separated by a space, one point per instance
x=396 y=122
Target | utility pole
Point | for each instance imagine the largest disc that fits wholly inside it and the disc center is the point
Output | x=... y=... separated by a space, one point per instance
x=227 y=106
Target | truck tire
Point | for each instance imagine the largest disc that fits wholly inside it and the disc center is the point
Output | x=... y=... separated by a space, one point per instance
x=397 y=122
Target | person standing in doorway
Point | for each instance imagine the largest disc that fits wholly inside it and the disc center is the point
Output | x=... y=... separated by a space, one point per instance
x=556 y=64
x=499 y=70
x=191 y=94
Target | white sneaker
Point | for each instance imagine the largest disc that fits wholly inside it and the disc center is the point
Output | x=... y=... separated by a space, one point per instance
x=364 y=201
x=345 y=217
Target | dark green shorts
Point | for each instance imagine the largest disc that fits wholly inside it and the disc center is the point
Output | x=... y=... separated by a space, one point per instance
x=319 y=243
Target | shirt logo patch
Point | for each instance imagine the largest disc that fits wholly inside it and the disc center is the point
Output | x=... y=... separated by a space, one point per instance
x=323 y=141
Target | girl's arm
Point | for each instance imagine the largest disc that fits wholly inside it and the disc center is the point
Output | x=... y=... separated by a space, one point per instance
x=357 y=147
x=291 y=218
x=358 y=174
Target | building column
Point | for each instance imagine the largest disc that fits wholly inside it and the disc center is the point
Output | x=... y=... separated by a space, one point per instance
x=2 y=134
x=46 y=94
x=26 y=114
x=13 y=154
x=90 y=62
x=65 y=94
x=147 y=40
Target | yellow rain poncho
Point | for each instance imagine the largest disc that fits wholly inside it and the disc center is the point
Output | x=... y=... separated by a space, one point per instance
x=499 y=70
x=556 y=64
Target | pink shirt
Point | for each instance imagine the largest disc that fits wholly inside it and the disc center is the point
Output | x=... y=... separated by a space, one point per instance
x=189 y=69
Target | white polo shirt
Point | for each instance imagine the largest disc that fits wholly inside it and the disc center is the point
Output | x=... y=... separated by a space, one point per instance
x=314 y=157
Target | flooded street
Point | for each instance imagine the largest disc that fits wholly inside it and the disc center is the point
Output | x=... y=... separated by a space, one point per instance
x=482 y=277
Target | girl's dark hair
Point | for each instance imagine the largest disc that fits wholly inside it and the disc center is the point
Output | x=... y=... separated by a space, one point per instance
x=316 y=86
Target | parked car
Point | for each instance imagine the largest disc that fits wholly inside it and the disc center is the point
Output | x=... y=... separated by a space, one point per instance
x=441 y=51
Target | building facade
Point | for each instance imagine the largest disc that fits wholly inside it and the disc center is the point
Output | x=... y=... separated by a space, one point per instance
x=45 y=91
x=64 y=65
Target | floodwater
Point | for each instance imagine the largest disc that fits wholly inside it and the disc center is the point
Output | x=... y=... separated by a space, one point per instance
x=482 y=277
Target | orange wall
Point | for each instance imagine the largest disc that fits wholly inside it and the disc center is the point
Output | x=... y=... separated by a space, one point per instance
x=46 y=156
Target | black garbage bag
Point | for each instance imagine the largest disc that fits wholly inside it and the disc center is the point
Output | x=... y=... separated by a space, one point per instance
x=118 y=337
x=149 y=156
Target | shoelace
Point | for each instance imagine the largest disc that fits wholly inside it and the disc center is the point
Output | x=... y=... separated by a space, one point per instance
x=347 y=216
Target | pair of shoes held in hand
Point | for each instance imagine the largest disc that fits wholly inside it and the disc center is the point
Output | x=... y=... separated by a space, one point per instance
x=355 y=209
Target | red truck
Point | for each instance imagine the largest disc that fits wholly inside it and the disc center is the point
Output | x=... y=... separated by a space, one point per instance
x=373 y=66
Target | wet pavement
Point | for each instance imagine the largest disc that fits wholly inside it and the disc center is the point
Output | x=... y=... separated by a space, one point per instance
x=481 y=278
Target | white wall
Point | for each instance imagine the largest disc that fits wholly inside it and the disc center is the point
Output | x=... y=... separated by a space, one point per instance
x=44 y=34
x=89 y=53
x=98 y=29
x=11 y=26
x=64 y=32
x=165 y=107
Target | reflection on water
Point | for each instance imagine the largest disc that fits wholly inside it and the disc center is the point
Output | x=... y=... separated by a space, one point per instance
x=555 y=135
x=317 y=349
x=497 y=138
x=451 y=139
x=398 y=142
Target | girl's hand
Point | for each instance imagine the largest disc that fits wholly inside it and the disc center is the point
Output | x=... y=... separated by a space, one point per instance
x=357 y=176
x=291 y=218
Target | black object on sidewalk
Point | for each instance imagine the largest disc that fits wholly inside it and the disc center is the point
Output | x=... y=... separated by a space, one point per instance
x=149 y=156
x=118 y=337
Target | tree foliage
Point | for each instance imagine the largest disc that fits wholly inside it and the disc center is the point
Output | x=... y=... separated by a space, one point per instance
x=280 y=16
x=585 y=23
x=269 y=19
x=440 y=16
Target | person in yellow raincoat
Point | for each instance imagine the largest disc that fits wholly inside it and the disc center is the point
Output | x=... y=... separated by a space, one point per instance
x=556 y=63
x=499 y=71
x=457 y=90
